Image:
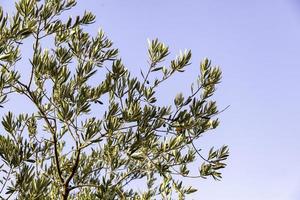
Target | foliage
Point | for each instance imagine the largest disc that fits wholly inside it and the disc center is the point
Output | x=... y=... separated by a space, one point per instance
x=88 y=139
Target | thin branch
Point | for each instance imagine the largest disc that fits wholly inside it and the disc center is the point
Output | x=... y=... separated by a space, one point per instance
x=6 y=180
x=55 y=141
x=35 y=47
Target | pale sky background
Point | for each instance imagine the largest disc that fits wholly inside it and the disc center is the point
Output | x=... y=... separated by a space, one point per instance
x=257 y=45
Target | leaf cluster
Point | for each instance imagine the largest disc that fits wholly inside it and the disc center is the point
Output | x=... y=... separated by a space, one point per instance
x=88 y=139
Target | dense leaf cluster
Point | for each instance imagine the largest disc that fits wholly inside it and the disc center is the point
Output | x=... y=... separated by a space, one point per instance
x=66 y=150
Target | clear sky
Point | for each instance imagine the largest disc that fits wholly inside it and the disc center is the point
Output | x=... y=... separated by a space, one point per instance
x=257 y=45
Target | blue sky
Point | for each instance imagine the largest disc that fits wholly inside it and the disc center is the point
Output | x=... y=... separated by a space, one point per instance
x=257 y=45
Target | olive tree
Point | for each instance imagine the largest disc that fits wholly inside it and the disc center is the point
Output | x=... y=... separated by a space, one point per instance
x=95 y=131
